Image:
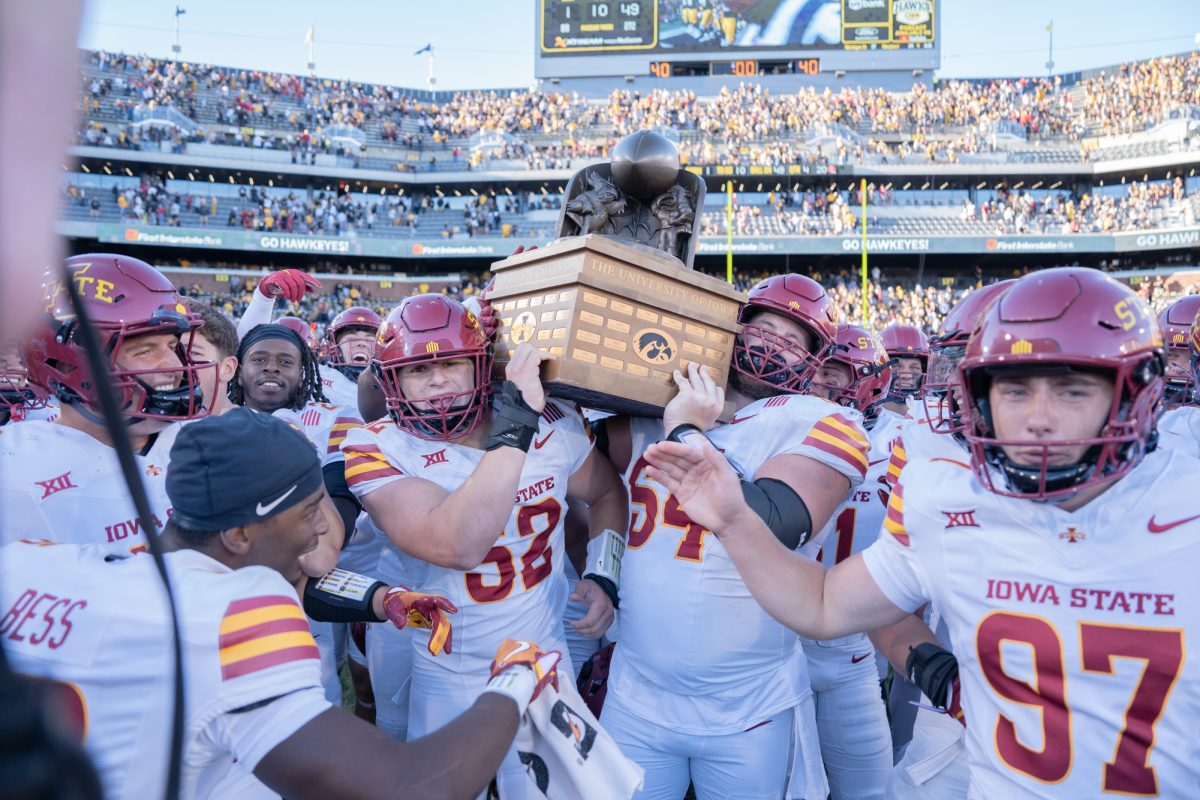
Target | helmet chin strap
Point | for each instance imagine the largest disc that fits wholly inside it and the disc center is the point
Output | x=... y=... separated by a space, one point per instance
x=1028 y=480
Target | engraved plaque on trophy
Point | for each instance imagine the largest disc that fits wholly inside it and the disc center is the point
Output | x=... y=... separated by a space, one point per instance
x=614 y=297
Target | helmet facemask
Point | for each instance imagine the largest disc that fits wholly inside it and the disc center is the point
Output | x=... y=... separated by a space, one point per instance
x=771 y=364
x=1112 y=452
x=443 y=417
x=137 y=399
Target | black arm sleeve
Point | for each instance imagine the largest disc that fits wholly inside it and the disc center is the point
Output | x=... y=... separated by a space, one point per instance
x=334 y=475
x=781 y=508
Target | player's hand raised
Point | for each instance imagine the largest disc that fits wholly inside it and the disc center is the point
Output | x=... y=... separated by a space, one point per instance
x=290 y=284
x=404 y=607
x=524 y=371
x=699 y=401
x=599 y=615
x=703 y=482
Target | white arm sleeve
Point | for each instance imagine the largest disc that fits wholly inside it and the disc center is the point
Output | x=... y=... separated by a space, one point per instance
x=257 y=313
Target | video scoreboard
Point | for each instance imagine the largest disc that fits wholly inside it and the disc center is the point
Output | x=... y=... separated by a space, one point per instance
x=739 y=38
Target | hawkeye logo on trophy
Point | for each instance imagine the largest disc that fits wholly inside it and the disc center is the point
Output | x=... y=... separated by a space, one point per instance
x=615 y=297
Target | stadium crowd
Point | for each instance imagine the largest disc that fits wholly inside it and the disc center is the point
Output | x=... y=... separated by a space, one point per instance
x=746 y=124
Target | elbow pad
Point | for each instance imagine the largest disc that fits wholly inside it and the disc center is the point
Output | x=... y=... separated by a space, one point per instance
x=781 y=508
x=341 y=596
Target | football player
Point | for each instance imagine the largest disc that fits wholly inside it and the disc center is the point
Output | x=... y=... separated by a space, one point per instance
x=292 y=285
x=277 y=374
x=474 y=486
x=909 y=348
x=723 y=712
x=856 y=744
x=931 y=764
x=21 y=400
x=60 y=480
x=1180 y=429
x=1061 y=554
x=349 y=341
x=1176 y=324
x=254 y=700
x=216 y=341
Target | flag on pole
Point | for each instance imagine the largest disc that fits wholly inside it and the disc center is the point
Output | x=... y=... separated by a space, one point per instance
x=1050 y=28
x=180 y=11
x=426 y=49
x=312 y=34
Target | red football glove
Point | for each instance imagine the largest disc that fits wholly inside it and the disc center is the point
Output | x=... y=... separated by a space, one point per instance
x=405 y=607
x=487 y=315
x=290 y=284
x=521 y=670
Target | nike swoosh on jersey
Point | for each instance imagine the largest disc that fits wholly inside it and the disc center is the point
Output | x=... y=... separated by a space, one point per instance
x=856 y=659
x=537 y=443
x=1154 y=527
x=736 y=420
x=262 y=510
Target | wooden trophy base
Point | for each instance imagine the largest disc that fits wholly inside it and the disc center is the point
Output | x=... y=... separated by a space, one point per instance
x=620 y=317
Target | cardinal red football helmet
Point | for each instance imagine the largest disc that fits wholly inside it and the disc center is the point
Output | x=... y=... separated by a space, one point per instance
x=17 y=394
x=1056 y=319
x=303 y=329
x=772 y=364
x=125 y=298
x=946 y=350
x=357 y=318
x=905 y=341
x=427 y=328
x=1176 y=322
x=870 y=368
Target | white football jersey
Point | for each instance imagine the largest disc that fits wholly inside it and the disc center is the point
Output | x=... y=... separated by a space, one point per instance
x=519 y=589
x=856 y=523
x=339 y=390
x=1179 y=429
x=696 y=652
x=61 y=484
x=68 y=617
x=47 y=413
x=854 y=526
x=326 y=425
x=1078 y=655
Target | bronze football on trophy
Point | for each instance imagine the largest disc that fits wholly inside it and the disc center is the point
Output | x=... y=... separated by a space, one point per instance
x=645 y=164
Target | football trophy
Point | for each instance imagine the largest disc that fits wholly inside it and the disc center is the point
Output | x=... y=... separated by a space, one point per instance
x=615 y=297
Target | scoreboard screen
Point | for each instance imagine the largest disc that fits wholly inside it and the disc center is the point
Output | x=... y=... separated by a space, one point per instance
x=666 y=27
x=586 y=26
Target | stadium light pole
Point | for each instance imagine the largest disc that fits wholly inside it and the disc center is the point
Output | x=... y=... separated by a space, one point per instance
x=310 y=39
x=179 y=12
x=1050 y=54
x=863 y=193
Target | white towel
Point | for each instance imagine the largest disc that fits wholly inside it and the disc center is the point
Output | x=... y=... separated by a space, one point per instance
x=567 y=755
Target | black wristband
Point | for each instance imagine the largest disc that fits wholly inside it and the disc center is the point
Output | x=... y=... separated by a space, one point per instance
x=607 y=586
x=514 y=423
x=932 y=669
x=341 y=596
x=678 y=433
